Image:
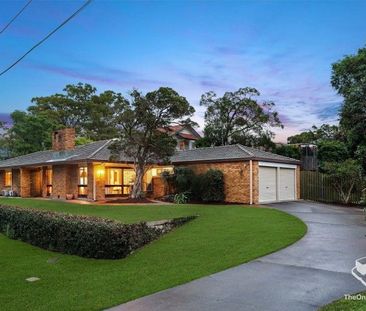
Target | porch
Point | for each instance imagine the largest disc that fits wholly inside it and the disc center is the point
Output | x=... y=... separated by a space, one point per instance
x=88 y=181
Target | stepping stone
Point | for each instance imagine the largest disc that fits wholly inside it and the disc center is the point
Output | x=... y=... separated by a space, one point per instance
x=32 y=279
x=53 y=260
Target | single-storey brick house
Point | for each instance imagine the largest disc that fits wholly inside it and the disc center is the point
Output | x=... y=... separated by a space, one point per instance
x=86 y=172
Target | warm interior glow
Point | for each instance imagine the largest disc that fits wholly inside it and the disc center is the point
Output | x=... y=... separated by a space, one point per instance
x=100 y=172
x=8 y=178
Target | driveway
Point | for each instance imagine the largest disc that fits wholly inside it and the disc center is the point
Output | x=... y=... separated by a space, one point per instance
x=304 y=276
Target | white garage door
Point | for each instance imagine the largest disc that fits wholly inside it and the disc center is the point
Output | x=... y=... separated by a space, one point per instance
x=267 y=184
x=287 y=184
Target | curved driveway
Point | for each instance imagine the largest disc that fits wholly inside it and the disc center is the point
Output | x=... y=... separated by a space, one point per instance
x=304 y=276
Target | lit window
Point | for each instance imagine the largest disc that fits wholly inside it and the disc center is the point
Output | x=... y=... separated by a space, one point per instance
x=8 y=178
x=83 y=175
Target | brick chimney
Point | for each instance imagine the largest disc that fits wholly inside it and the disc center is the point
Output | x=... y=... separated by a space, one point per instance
x=63 y=139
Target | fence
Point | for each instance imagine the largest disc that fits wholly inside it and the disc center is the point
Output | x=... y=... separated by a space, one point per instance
x=317 y=187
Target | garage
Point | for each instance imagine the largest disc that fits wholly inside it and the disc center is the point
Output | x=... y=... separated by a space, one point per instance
x=277 y=182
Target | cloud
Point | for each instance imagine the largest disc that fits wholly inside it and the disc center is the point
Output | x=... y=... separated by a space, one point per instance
x=100 y=74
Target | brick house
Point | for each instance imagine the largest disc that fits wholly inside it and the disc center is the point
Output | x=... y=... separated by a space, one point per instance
x=86 y=172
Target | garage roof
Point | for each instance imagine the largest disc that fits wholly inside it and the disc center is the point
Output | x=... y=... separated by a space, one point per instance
x=228 y=153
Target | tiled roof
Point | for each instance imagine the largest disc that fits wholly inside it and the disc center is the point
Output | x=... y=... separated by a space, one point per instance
x=227 y=153
x=99 y=151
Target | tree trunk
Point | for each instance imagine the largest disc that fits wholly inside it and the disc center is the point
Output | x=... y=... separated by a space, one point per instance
x=137 y=192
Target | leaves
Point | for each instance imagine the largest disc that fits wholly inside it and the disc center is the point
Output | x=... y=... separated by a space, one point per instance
x=237 y=114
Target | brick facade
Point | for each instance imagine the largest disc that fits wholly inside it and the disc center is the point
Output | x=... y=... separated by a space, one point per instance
x=63 y=139
x=2 y=180
x=25 y=183
x=158 y=186
x=236 y=178
x=16 y=180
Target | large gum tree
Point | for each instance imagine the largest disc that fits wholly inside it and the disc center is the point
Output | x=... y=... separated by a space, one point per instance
x=139 y=122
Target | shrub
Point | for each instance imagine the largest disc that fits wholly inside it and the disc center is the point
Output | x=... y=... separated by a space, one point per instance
x=181 y=198
x=84 y=236
x=183 y=178
x=212 y=186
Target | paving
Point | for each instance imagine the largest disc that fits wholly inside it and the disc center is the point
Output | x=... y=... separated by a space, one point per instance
x=304 y=276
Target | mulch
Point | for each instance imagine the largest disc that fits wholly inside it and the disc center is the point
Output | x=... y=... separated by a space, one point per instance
x=130 y=200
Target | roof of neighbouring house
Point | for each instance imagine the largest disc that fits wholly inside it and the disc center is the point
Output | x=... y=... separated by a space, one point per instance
x=99 y=151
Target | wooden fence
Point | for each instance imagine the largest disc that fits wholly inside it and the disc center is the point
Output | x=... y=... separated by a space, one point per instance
x=317 y=187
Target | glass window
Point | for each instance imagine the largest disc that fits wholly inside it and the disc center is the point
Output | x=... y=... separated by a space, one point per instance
x=114 y=176
x=8 y=177
x=83 y=175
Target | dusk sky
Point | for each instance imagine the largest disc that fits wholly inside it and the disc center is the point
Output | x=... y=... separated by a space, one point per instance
x=283 y=48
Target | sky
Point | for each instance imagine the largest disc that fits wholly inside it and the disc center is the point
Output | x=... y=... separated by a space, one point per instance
x=282 y=48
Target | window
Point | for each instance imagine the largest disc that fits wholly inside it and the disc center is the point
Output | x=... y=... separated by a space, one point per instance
x=83 y=181
x=8 y=178
x=49 y=181
x=118 y=181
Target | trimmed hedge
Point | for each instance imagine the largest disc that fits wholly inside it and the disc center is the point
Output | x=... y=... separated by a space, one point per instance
x=85 y=236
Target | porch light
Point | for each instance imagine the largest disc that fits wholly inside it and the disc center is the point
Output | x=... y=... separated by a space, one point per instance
x=100 y=173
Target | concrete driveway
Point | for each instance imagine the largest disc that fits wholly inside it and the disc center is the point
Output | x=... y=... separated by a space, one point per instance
x=304 y=276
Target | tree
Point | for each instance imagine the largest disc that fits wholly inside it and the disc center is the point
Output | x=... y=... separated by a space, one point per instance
x=29 y=133
x=349 y=79
x=332 y=151
x=81 y=108
x=237 y=114
x=290 y=151
x=315 y=134
x=344 y=176
x=4 y=141
x=139 y=121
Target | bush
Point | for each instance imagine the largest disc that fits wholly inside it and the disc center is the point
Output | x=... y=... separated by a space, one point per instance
x=85 y=236
x=183 y=178
x=181 y=198
x=212 y=186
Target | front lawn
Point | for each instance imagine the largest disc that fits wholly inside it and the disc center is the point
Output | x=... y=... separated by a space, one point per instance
x=221 y=237
x=359 y=304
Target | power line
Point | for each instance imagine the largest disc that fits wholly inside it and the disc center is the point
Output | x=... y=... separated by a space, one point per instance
x=15 y=17
x=46 y=37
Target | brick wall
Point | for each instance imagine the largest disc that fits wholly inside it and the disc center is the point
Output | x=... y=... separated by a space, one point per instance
x=158 y=186
x=96 y=171
x=236 y=178
x=64 y=181
x=16 y=180
x=2 y=180
x=25 y=179
x=298 y=182
x=63 y=139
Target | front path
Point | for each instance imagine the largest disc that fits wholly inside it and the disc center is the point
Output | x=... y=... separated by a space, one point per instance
x=304 y=276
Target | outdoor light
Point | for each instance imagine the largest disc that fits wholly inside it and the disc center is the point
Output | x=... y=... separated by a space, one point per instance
x=100 y=172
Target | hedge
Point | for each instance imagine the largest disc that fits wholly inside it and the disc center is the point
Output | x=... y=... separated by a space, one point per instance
x=85 y=236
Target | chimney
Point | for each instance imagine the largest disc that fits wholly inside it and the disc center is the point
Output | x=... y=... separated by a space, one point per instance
x=63 y=139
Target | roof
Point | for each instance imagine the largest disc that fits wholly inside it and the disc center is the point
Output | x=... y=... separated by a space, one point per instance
x=177 y=130
x=99 y=151
x=228 y=153
x=96 y=151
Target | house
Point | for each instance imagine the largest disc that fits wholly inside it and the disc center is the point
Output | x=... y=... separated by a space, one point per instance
x=185 y=135
x=86 y=172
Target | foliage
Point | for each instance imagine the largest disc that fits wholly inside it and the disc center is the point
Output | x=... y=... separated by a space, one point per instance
x=85 y=236
x=290 y=151
x=263 y=140
x=30 y=133
x=344 y=176
x=349 y=79
x=332 y=151
x=183 y=179
x=139 y=121
x=80 y=140
x=81 y=108
x=237 y=114
x=315 y=134
x=181 y=198
x=220 y=238
x=212 y=186
x=77 y=235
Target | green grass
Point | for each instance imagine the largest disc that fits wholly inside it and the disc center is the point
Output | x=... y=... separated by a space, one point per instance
x=346 y=305
x=221 y=237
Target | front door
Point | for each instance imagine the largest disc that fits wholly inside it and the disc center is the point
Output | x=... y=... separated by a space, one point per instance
x=35 y=183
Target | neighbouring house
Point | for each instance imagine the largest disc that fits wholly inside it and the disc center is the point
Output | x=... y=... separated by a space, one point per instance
x=86 y=172
x=185 y=135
